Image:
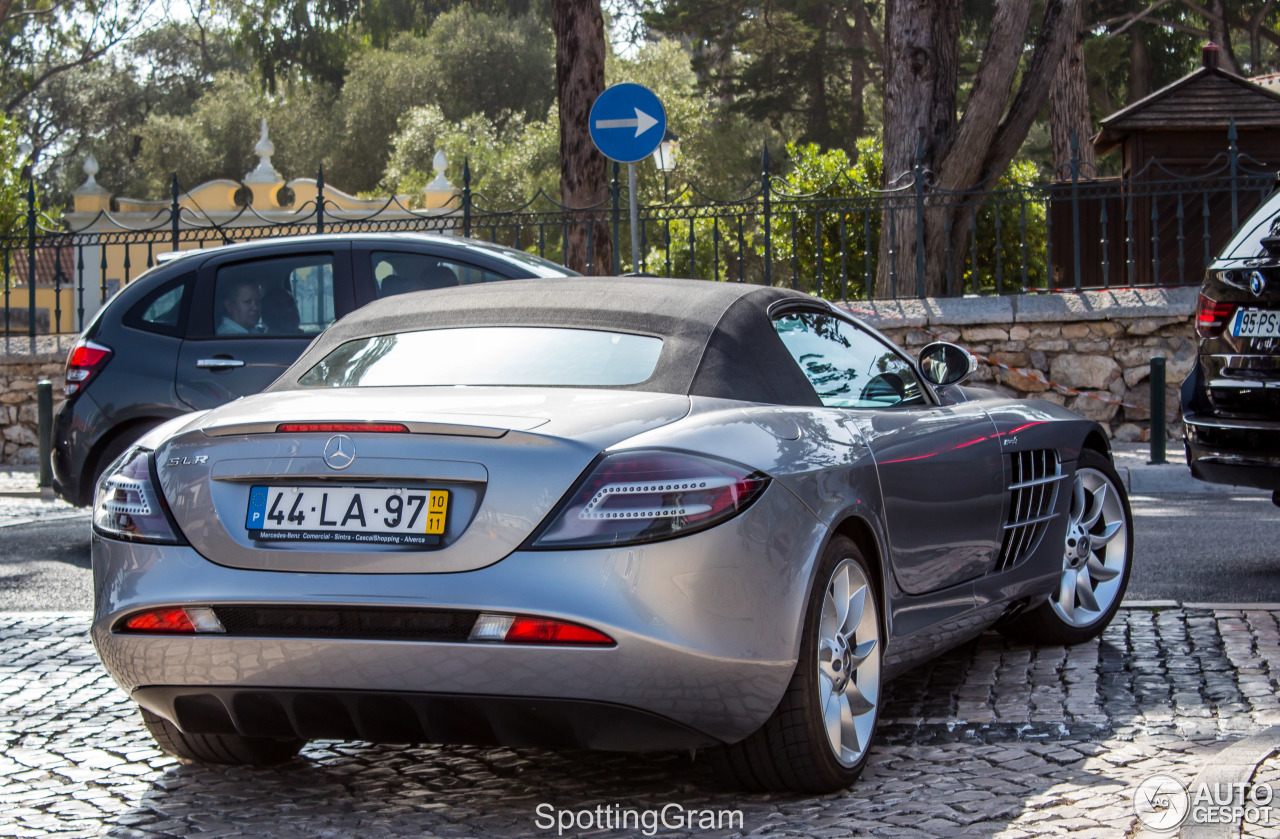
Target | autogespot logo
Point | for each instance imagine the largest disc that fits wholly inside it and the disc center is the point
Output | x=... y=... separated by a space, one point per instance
x=1161 y=803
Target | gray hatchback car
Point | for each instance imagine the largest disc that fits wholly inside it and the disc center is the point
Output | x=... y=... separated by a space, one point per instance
x=208 y=326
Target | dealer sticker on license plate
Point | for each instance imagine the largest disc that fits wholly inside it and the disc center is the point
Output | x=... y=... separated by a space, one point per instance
x=1256 y=323
x=368 y=515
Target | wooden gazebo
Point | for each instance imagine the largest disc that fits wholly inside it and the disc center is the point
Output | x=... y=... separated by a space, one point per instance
x=1208 y=142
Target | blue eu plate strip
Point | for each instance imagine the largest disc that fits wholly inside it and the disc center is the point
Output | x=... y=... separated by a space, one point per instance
x=257 y=509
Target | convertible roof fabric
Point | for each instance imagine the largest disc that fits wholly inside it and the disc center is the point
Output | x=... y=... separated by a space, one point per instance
x=717 y=337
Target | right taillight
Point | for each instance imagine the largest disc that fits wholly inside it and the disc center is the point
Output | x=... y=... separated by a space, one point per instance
x=633 y=497
x=84 y=362
x=1212 y=317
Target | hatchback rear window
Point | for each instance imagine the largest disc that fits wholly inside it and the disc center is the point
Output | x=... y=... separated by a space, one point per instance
x=490 y=355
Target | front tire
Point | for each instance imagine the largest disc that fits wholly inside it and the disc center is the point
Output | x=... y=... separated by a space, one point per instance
x=227 y=749
x=1097 y=560
x=818 y=738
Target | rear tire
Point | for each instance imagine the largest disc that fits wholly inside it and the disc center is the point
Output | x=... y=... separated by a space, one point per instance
x=818 y=738
x=1095 y=574
x=227 y=749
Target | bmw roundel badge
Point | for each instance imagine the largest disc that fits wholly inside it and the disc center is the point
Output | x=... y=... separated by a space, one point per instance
x=1257 y=283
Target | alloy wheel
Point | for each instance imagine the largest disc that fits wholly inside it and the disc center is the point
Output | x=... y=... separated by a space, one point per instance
x=849 y=662
x=1095 y=553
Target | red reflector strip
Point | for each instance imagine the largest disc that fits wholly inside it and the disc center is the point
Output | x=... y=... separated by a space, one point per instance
x=163 y=620
x=332 y=427
x=536 y=631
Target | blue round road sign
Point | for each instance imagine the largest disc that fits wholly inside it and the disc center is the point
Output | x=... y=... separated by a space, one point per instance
x=627 y=122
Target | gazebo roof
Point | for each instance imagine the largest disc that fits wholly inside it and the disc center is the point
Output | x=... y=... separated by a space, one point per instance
x=1210 y=97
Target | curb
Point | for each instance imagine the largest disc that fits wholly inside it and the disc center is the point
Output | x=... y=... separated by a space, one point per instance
x=82 y=514
x=1236 y=764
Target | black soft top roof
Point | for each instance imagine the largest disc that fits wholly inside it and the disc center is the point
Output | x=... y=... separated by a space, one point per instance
x=717 y=337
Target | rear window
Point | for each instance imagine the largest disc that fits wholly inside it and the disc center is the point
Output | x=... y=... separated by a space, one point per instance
x=490 y=355
x=1246 y=243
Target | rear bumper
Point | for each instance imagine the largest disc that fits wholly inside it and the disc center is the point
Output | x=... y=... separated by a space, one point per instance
x=706 y=629
x=387 y=717
x=1233 y=451
x=76 y=428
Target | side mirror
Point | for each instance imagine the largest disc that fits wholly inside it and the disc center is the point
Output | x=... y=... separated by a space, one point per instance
x=945 y=364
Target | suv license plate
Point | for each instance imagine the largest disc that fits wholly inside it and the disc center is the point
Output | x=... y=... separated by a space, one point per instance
x=364 y=515
x=1256 y=323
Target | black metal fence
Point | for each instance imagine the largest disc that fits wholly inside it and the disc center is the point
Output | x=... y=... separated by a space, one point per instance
x=1156 y=227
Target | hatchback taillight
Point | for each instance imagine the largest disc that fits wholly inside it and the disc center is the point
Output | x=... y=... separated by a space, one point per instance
x=84 y=362
x=1212 y=317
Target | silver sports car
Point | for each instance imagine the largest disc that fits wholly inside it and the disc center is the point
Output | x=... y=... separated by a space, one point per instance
x=627 y=514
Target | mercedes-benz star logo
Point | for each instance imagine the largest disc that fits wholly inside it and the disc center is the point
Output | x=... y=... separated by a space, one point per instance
x=339 y=452
x=1161 y=803
x=1257 y=283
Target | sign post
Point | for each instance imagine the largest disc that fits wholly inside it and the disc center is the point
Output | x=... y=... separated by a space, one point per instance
x=627 y=123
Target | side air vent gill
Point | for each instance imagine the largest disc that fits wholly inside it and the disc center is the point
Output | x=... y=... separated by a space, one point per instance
x=1033 y=494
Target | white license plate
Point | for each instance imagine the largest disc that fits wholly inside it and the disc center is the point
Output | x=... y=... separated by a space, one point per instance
x=1256 y=323
x=360 y=515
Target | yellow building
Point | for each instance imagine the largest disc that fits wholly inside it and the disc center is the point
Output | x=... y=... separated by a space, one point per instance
x=116 y=239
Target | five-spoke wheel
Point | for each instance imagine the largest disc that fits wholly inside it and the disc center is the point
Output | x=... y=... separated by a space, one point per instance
x=849 y=662
x=818 y=738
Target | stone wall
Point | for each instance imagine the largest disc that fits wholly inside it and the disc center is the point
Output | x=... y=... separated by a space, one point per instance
x=1090 y=352
x=19 y=373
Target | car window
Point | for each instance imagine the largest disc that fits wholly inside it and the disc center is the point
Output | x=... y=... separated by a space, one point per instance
x=283 y=296
x=847 y=367
x=536 y=265
x=162 y=310
x=397 y=272
x=490 y=355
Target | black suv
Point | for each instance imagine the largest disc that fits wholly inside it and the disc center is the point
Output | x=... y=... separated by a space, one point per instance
x=1231 y=400
x=207 y=326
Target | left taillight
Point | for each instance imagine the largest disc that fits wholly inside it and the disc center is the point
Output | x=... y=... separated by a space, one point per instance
x=635 y=497
x=128 y=504
x=1212 y=316
x=85 y=361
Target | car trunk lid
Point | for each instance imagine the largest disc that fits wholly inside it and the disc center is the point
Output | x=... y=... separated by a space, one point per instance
x=503 y=456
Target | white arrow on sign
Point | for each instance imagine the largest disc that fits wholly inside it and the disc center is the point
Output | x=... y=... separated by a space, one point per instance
x=642 y=123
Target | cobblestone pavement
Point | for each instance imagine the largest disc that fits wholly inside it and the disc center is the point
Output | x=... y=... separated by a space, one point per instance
x=20 y=500
x=994 y=739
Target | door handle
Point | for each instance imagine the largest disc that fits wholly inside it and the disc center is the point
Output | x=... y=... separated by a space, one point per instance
x=219 y=363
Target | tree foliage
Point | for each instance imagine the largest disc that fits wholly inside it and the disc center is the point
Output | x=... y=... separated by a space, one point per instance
x=13 y=203
x=798 y=66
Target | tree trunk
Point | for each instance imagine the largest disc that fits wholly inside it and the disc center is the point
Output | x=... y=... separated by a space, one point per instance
x=1254 y=27
x=1069 y=108
x=860 y=40
x=580 y=51
x=921 y=40
x=1139 y=64
x=1220 y=34
x=963 y=157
